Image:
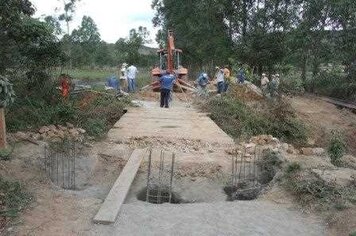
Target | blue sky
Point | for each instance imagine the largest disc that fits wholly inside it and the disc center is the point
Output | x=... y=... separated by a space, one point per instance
x=114 y=18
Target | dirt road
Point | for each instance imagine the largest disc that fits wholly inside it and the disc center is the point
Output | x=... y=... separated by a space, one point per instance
x=323 y=117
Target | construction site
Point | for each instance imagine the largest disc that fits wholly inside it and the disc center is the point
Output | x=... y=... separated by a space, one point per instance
x=178 y=148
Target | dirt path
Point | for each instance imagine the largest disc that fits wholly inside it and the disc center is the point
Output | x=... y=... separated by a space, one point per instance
x=202 y=170
x=323 y=117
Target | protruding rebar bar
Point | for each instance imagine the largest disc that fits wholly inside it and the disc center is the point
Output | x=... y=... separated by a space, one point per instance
x=148 y=175
x=171 y=180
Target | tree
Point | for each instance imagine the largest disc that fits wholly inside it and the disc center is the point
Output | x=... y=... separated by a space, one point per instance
x=86 y=40
x=67 y=15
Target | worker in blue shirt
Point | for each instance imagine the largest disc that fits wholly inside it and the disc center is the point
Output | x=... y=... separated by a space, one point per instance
x=202 y=82
x=113 y=83
x=166 y=81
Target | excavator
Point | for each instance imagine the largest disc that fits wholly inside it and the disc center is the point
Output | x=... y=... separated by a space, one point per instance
x=170 y=60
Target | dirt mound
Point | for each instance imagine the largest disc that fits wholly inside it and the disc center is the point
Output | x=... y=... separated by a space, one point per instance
x=246 y=92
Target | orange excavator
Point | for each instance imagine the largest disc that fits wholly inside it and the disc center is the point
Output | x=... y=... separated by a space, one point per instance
x=170 y=60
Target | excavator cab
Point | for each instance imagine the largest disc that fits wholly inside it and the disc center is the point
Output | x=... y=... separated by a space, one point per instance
x=170 y=60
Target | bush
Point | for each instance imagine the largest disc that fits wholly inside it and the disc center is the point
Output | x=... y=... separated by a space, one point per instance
x=336 y=148
x=269 y=165
x=95 y=127
x=94 y=112
x=291 y=84
x=12 y=198
x=293 y=168
x=242 y=121
x=312 y=191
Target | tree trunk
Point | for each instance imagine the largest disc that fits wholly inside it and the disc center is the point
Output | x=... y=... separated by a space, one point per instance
x=3 y=143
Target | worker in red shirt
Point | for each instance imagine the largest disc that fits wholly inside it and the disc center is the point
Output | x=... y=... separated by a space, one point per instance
x=64 y=85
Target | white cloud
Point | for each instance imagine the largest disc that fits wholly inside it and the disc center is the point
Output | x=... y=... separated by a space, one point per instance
x=114 y=18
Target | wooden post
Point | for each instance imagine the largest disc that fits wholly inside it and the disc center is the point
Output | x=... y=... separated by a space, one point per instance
x=3 y=143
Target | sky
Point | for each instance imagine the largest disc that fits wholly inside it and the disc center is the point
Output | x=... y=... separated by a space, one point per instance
x=114 y=18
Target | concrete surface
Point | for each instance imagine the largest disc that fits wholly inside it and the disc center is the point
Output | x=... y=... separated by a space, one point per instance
x=177 y=122
x=220 y=218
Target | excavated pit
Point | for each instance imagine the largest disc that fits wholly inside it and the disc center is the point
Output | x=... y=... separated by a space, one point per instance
x=163 y=193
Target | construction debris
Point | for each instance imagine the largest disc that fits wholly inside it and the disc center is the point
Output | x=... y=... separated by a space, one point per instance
x=49 y=133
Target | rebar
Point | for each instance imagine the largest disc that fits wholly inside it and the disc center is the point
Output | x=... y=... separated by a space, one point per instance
x=159 y=187
x=244 y=173
x=59 y=164
x=148 y=175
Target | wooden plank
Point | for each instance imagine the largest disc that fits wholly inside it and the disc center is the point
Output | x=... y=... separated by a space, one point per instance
x=109 y=210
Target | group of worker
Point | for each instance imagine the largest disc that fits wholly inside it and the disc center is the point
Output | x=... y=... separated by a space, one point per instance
x=127 y=77
x=223 y=80
x=270 y=88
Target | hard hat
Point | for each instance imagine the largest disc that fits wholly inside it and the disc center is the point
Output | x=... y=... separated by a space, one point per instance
x=263 y=74
x=216 y=67
x=205 y=75
x=277 y=75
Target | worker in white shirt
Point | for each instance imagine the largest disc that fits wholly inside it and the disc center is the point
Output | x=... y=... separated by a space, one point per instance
x=131 y=78
x=264 y=84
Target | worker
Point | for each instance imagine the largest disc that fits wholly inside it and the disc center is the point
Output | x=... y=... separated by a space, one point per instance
x=264 y=84
x=241 y=76
x=166 y=82
x=227 y=78
x=131 y=78
x=273 y=85
x=123 y=75
x=65 y=85
x=112 y=83
x=202 y=82
x=219 y=79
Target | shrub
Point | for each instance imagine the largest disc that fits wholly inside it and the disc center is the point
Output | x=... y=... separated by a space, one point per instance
x=269 y=165
x=293 y=168
x=312 y=191
x=336 y=148
x=95 y=127
x=12 y=198
x=291 y=84
x=241 y=121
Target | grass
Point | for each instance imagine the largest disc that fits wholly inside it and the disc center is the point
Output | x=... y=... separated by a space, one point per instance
x=88 y=74
x=311 y=191
x=242 y=121
x=143 y=76
x=269 y=165
x=94 y=112
x=336 y=148
x=13 y=198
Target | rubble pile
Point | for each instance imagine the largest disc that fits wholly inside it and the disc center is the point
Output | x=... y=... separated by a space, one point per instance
x=246 y=92
x=51 y=133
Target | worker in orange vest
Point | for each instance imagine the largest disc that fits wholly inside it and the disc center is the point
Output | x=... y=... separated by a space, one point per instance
x=64 y=85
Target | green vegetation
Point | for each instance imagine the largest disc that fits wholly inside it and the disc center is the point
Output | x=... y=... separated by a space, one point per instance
x=5 y=154
x=293 y=167
x=242 y=121
x=336 y=148
x=269 y=165
x=13 y=198
x=94 y=112
x=311 y=191
x=303 y=40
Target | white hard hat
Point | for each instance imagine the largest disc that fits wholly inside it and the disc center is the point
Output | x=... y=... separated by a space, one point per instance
x=205 y=75
x=277 y=75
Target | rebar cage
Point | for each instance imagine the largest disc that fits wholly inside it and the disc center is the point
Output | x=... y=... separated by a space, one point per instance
x=59 y=163
x=160 y=177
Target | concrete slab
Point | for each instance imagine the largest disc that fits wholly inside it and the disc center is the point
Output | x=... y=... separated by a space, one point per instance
x=178 y=122
x=109 y=210
x=252 y=218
